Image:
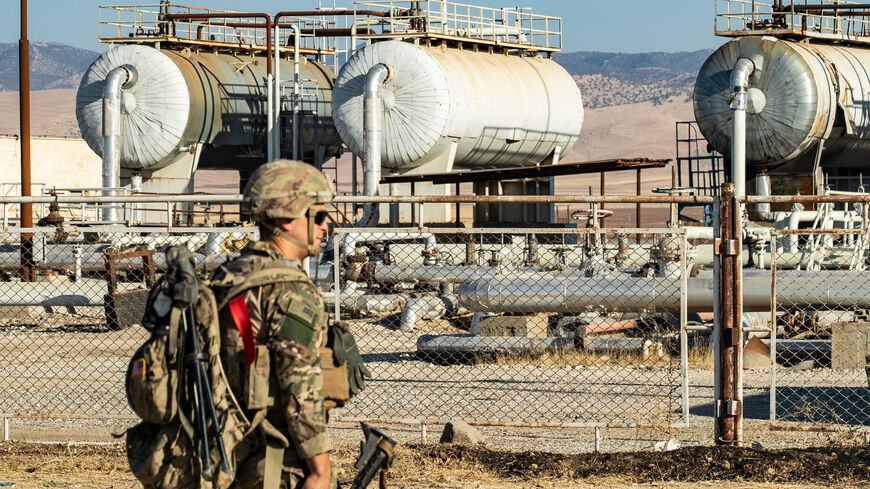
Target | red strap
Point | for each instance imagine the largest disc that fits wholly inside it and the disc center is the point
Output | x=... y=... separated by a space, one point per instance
x=242 y=318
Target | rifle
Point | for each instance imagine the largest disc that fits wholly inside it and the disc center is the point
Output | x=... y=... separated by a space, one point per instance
x=376 y=453
x=203 y=404
x=185 y=294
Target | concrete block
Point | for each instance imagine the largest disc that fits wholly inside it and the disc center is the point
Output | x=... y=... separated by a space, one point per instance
x=529 y=326
x=850 y=343
x=462 y=433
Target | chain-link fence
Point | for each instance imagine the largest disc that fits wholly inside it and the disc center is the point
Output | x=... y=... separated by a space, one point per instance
x=66 y=335
x=571 y=326
x=813 y=355
x=585 y=328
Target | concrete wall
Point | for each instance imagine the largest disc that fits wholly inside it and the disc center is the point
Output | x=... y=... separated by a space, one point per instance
x=55 y=162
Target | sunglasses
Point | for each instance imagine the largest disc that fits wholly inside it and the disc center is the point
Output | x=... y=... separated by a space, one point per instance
x=320 y=217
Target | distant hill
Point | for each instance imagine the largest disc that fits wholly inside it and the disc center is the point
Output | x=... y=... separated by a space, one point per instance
x=606 y=79
x=52 y=65
x=617 y=89
x=609 y=79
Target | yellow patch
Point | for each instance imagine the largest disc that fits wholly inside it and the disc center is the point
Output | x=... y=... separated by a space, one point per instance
x=138 y=369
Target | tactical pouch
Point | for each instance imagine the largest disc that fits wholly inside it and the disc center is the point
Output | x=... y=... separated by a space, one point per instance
x=257 y=389
x=152 y=383
x=160 y=456
x=336 y=388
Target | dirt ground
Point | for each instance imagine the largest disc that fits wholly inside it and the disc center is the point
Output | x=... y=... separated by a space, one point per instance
x=32 y=465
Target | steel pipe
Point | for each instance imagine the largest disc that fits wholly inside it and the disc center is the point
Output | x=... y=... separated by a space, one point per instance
x=530 y=292
x=762 y=188
x=352 y=240
x=116 y=78
x=443 y=274
x=372 y=115
x=431 y=307
x=743 y=69
x=297 y=41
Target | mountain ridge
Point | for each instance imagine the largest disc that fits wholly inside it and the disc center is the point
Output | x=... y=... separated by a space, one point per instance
x=52 y=65
x=606 y=79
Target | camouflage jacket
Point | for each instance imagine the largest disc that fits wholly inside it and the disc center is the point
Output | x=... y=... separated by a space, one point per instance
x=289 y=319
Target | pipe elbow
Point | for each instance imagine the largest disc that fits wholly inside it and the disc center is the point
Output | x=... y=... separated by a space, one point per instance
x=117 y=78
x=376 y=76
x=743 y=69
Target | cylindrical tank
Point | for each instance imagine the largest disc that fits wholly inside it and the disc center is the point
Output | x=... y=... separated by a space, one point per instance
x=501 y=110
x=179 y=98
x=799 y=95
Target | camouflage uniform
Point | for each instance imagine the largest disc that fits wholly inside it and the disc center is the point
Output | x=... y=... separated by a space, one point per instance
x=291 y=320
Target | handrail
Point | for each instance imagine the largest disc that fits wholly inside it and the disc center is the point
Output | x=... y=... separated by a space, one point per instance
x=831 y=20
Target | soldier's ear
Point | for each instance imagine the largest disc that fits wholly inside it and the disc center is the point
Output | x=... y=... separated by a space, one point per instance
x=282 y=224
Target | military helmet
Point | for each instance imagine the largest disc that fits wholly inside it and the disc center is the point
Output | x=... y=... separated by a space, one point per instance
x=286 y=189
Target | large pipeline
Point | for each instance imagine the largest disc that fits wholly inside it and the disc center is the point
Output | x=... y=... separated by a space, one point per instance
x=547 y=292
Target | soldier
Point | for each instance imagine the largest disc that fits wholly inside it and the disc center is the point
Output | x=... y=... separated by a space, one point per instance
x=285 y=324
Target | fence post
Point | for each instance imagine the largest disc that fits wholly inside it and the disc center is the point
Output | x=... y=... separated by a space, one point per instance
x=729 y=369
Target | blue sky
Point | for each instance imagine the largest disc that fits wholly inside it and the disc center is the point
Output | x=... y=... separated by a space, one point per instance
x=588 y=25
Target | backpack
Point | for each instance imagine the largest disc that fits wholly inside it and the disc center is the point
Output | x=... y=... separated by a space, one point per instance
x=180 y=443
x=166 y=450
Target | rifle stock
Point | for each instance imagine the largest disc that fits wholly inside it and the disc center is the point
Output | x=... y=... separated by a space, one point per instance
x=376 y=453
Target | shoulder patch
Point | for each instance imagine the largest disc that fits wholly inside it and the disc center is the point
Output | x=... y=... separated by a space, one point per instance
x=298 y=323
x=301 y=311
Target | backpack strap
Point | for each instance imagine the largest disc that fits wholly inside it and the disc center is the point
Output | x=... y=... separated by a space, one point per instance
x=277 y=272
x=274 y=464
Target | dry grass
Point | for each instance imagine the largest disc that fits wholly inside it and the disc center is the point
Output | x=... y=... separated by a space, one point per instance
x=437 y=465
x=701 y=359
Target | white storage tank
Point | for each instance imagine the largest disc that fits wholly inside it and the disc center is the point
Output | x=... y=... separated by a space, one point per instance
x=180 y=98
x=499 y=110
x=801 y=94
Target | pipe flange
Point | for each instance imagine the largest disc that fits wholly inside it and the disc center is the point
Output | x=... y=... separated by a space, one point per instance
x=433 y=253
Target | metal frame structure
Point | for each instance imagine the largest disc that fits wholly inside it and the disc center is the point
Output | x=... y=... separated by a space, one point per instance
x=491 y=28
x=829 y=20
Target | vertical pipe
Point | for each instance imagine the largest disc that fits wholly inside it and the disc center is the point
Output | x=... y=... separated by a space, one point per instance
x=297 y=39
x=684 y=326
x=270 y=118
x=743 y=69
x=602 y=191
x=717 y=316
x=637 y=207
x=276 y=89
x=28 y=270
x=773 y=247
x=372 y=121
x=116 y=78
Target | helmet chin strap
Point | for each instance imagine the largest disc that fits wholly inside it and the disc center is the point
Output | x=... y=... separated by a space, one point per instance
x=310 y=248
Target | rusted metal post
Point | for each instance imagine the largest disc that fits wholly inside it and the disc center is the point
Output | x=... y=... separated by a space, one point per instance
x=729 y=392
x=28 y=270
